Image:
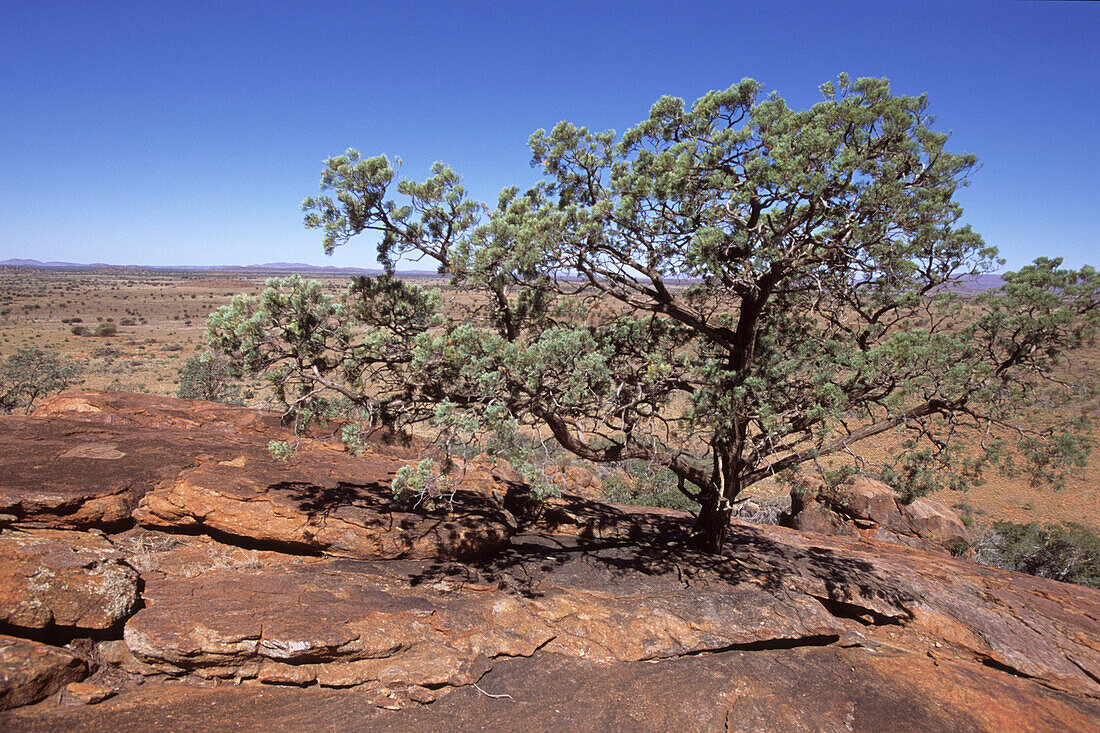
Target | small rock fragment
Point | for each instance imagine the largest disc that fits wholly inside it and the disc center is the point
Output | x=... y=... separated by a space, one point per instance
x=87 y=693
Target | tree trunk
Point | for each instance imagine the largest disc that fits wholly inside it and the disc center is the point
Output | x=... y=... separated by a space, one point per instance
x=709 y=532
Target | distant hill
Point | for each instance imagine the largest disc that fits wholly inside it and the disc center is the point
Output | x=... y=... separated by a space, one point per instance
x=266 y=267
x=978 y=284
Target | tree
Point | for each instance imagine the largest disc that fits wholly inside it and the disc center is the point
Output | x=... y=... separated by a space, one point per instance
x=31 y=373
x=727 y=291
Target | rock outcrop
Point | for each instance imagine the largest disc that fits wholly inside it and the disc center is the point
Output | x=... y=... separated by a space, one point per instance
x=322 y=502
x=864 y=507
x=56 y=578
x=30 y=671
x=300 y=595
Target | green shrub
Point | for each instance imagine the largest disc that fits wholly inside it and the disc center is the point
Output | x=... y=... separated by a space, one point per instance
x=105 y=329
x=79 y=330
x=281 y=450
x=209 y=377
x=640 y=484
x=31 y=373
x=1069 y=553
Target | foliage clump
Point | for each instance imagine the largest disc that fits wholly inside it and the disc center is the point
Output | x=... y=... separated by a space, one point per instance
x=1068 y=552
x=724 y=292
x=208 y=376
x=31 y=373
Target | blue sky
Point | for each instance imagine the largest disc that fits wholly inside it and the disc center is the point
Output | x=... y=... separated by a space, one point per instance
x=188 y=133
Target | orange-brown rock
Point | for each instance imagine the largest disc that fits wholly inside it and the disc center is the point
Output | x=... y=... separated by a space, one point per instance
x=335 y=623
x=864 y=507
x=330 y=606
x=323 y=502
x=30 y=671
x=91 y=459
x=86 y=693
x=54 y=578
x=85 y=459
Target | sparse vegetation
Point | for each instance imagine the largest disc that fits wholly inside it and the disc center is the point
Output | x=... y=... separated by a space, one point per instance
x=208 y=376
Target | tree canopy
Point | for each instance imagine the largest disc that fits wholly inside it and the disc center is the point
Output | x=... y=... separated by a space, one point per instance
x=725 y=291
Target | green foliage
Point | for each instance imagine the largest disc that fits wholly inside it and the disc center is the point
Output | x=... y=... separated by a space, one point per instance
x=105 y=330
x=79 y=330
x=31 y=373
x=352 y=437
x=1069 y=553
x=728 y=290
x=208 y=376
x=639 y=483
x=424 y=484
x=281 y=450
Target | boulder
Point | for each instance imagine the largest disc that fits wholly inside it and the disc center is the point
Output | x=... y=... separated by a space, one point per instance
x=864 y=507
x=30 y=671
x=933 y=522
x=56 y=578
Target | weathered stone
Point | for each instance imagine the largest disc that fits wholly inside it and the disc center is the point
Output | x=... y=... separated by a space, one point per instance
x=935 y=523
x=86 y=693
x=56 y=578
x=864 y=507
x=329 y=585
x=305 y=506
x=865 y=498
x=30 y=671
x=86 y=459
x=809 y=515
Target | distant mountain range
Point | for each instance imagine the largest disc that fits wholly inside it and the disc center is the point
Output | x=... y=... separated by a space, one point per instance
x=983 y=282
x=267 y=267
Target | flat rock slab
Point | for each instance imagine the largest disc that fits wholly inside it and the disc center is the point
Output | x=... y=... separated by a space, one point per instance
x=811 y=689
x=342 y=623
x=323 y=502
x=100 y=459
x=30 y=671
x=56 y=578
x=82 y=469
x=1035 y=627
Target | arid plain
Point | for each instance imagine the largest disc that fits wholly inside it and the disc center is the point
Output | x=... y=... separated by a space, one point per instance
x=161 y=316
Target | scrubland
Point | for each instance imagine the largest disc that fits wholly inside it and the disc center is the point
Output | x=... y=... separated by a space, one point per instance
x=160 y=319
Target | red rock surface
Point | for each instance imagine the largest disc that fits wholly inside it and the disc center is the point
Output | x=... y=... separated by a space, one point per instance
x=30 y=671
x=864 y=507
x=58 y=578
x=322 y=501
x=298 y=595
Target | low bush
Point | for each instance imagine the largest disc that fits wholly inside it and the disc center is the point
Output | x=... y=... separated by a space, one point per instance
x=208 y=377
x=640 y=484
x=31 y=373
x=1069 y=552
